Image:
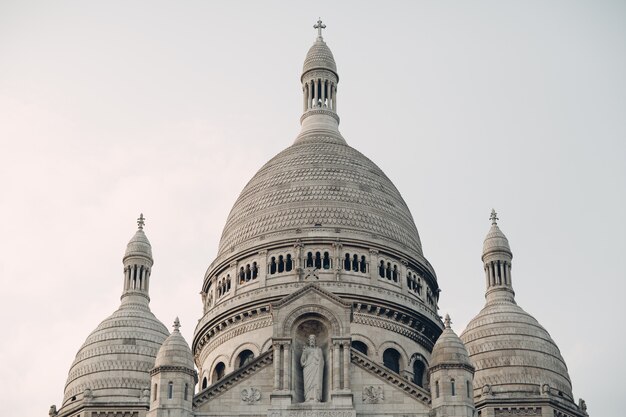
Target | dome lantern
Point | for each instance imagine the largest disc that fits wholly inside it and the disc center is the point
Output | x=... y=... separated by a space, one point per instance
x=319 y=86
x=496 y=259
x=138 y=263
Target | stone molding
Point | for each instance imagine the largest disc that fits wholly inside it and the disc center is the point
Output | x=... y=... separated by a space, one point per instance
x=401 y=329
x=389 y=376
x=451 y=366
x=232 y=379
x=170 y=368
x=514 y=411
x=235 y=331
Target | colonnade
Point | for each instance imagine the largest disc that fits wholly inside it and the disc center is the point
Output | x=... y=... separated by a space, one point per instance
x=320 y=93
x=136 y=277
x=498 y=273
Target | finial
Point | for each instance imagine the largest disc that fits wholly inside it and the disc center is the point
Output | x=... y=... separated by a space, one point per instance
x=494 y=217
x=176 y=324
x=319 y=26
x=141 y=221
x=447 y=321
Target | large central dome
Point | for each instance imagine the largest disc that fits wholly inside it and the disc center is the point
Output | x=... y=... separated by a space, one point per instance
x=320 y=182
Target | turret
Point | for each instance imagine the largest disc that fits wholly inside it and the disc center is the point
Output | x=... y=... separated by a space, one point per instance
x=319 y=86
x=173 y=378
x=451 y=376
x=496 y=259
x=137 y=266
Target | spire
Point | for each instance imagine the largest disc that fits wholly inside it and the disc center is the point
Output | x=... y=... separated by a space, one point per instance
x=138 y=262
x=496 y=259
x=319 y=86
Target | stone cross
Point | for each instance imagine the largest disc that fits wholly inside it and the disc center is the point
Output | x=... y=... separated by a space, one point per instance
x=176 y=324
x=319 y=26
x=494 y=217
x=141 y=221
x=447 y=321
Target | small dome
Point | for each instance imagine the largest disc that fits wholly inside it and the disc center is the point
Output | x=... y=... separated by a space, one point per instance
x=139 y=245
x=175 y=351
x=449 y=349
x=512 y=352
x=319 y=57
x=116 y=359
x=495 y=241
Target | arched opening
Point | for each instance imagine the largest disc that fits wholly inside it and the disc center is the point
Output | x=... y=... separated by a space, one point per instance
x=154 y=394
x=170 y=390
x=346 y=262
x=289 y=264
x=309 y=260
x=186 y=392
x=273 y=266
x=318 y=260
x=281 y=264
x=363 y=265
x=437 y=389
x=360 y=346
x=205 y=382
x=391 y=360
x=218 y=372
x=452 y=387
x=244 y=358
x=381 y=269
x=326 y=262
x=418 y=372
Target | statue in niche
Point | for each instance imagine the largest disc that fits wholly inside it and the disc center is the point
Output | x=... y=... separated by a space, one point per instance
x=312 y=362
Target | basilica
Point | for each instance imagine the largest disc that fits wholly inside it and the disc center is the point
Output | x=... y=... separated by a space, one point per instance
x=320 y=302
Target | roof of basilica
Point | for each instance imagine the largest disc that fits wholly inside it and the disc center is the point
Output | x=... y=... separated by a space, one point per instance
x=449 y=349
x=320 y=181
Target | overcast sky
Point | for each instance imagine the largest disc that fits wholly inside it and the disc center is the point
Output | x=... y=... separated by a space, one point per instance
x=109 y=109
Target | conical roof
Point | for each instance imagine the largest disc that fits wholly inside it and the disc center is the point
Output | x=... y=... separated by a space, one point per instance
x=139 y=245
x=319 y=57
x=495 y=241
x=175 y=351
x=449 y=349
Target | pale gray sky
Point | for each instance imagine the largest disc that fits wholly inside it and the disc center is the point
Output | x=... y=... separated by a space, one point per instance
x=108 y=109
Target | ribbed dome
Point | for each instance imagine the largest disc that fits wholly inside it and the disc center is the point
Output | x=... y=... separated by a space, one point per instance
x=139 y=245
x=513 y=353
x=116 y=359
x=175 y=351
x=449 y=349
x=319 y=57
x=319 y=183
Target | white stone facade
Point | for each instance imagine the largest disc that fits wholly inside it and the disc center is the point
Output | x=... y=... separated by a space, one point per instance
x=320 y=242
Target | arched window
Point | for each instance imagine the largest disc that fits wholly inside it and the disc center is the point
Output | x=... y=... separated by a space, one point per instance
x=418 y=372
x=273 y=266
x=388 y=271
x=346 y=262
x=242 y=275
x=281 y=264
x=326 y=261
x=218 y=372
x=248 y=273
x=360 y=346
x=355 y=263
x=309 y=260
x=170 y=390
x=186 y=392
x=381 y=269
x=437 y=389
x=363 y=265
x=467 y=387
x=205 y=383
x=244 y=358
x=318 y=260
x=452 y=387
x=154 y=394
x=289 y=264
x=391 y=360
x=394 y=273
x=255 y=270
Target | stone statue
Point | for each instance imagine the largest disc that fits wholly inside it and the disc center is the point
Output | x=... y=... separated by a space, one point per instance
x=312 y=362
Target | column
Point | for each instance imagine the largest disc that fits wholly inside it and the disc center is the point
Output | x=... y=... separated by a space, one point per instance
x=323 y=87
x=346 y=364
x=335 y=98
x=486 y=268
x=336 y=363
x=287 y=366
x=314 y=83
x=304 y=95
x=501 y=272
x=276 y=366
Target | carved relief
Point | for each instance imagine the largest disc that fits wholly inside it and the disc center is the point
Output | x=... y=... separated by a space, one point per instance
x=250 y=395
x=373 y=394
